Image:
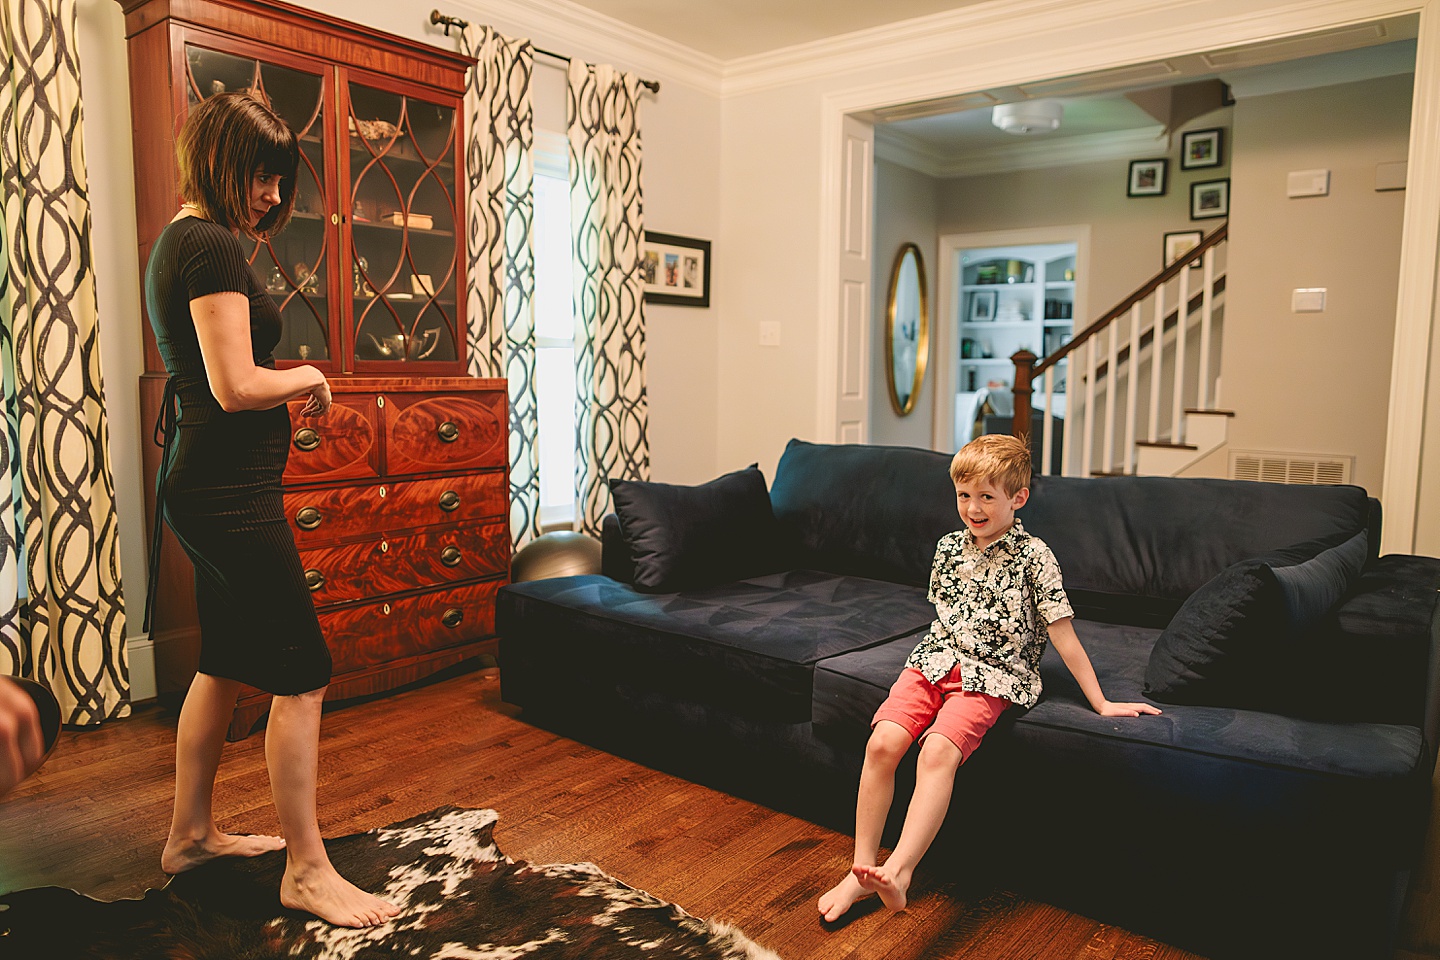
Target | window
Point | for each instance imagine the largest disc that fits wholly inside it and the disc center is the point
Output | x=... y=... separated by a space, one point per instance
x=554 y=331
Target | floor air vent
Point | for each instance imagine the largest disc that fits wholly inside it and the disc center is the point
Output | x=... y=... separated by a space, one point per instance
x=1290 y=467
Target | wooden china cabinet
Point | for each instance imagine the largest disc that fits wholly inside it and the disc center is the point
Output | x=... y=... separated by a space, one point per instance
x=397 y=498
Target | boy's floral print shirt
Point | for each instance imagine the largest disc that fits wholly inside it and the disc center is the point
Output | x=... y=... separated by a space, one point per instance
x=993 y=607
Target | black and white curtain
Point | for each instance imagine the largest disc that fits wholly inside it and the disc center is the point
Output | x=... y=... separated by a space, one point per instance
x=62 y=613
x=500 y=220
x=612 y=418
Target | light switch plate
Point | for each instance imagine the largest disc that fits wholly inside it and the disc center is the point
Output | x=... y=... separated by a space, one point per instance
x=1307 y=300
x=1390 y=176
x=1307 y=183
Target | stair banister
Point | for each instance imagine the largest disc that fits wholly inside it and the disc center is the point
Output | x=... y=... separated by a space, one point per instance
x=1027 y=367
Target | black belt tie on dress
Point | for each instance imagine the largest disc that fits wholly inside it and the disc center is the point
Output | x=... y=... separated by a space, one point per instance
x=163 y=436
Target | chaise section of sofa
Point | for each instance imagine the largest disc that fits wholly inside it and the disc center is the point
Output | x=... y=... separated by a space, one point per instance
x=1225 y=826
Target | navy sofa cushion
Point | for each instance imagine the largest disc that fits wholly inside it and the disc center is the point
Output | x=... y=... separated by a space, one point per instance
x=749 y=646
x=686 y=536
x=1241 y=761
x=1132 y=549
x=865 y=511
x=1233 y=640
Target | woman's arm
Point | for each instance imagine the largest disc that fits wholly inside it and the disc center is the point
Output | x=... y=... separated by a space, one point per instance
x=1062 y=635
x=222 y=323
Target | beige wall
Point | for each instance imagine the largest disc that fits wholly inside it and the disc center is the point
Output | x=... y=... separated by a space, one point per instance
x=1126 y=233
x=905 y=208
x=1315 y=382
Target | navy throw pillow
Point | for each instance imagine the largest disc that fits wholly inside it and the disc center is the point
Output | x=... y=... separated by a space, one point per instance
x=1232 y=641
x=682 y=536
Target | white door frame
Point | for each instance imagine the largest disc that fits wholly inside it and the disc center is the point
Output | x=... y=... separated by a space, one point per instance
x=1420 y=239
x=947 y=372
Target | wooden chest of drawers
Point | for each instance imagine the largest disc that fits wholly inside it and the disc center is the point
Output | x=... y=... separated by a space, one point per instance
x=399 y=502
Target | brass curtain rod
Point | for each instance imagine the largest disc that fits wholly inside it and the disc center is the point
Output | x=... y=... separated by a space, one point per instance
x=440 y=19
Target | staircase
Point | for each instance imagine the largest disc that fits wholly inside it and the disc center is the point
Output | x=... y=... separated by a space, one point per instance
x=1140 y=384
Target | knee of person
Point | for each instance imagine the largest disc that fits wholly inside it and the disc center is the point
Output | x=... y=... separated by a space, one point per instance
x=887 y=745
x=938 y=753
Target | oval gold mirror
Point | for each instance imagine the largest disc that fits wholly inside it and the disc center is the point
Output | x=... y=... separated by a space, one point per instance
x=907 y=329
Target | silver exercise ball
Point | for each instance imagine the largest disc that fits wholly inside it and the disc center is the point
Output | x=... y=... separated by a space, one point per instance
x=560 y=554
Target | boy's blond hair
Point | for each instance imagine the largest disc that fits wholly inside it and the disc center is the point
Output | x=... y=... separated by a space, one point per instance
x=994 y=458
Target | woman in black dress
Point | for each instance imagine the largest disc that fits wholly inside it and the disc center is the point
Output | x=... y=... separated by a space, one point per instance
x=219 y=490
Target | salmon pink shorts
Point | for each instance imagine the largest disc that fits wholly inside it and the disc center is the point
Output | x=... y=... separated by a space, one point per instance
x=961 y=716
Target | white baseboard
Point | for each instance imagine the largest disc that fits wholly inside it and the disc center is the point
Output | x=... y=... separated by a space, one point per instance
x=142 y=668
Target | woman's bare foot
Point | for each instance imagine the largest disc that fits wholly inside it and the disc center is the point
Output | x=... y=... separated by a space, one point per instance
x=182 y=853
x=891 y=885
x=841 y=897
x=332 y=898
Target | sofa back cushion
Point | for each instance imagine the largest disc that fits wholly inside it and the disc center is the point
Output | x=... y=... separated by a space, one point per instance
x=865 y=511
x=1131 y=548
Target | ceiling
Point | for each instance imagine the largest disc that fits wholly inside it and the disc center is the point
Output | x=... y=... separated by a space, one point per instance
x=728 y=29
x=1105 y=115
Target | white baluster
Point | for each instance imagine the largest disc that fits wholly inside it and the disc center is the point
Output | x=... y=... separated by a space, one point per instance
x=1206 y=311
x=1047 y=443
x=1088 y=441
x=1157 y=363
x=1182 y=315
x=1132 y=388
x=1111 y=383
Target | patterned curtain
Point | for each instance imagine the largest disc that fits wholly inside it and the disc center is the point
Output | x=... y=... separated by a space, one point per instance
x=608 y=225
x=500 y=219
x=63 y=623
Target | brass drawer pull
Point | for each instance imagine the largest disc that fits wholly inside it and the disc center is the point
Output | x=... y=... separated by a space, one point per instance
x=307 y=438
x=449 y=501
x=452 y=617
x=314 y=579
x=308 y=518
x=448 y=432
x=450 y=556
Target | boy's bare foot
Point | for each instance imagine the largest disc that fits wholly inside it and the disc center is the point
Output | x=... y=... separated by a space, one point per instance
x=181 y=854
x=841 y=897
x=890 y=885
x=333 y=899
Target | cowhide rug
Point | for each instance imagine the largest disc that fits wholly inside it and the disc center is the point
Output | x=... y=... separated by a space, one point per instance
x=461 y=899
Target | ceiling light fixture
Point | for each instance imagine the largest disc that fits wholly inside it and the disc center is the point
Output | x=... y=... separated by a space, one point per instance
x=1028 y=117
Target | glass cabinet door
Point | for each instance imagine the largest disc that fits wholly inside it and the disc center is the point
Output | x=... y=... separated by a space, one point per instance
x=296 y=265
x=403 y=235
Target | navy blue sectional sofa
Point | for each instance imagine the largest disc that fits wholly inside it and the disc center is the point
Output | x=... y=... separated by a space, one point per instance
x=1276 y=811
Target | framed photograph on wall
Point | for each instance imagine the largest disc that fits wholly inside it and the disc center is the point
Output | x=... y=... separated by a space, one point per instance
x=1147 y=178
x=1180 y=242
x=1210 y=199
x=675 y=270
x=1201 y=148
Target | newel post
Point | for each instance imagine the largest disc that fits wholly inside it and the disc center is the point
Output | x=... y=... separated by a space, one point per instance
x=1024 y=362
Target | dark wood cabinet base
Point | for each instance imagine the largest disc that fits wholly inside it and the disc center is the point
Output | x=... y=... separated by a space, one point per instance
x=253 y=705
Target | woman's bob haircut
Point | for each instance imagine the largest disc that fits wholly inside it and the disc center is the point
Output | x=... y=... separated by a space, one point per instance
x=226 y=140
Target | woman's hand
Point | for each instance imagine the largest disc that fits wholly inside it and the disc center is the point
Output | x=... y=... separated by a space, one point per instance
x=319 y=401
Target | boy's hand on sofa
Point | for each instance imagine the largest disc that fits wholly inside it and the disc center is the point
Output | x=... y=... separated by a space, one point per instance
x=1108 y=709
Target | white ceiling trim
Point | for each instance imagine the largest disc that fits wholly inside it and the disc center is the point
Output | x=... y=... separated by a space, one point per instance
x=1022 y=154
x=951 y=32
x=575 y=28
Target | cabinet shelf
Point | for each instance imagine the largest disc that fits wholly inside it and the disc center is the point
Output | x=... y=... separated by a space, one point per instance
x=414 y=231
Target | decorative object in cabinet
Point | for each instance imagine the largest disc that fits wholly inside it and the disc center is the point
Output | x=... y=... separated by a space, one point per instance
x=378 y=122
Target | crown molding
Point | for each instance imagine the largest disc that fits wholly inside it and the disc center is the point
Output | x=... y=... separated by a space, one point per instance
x=1036 y=154
x=572 y=26
x=950 y=32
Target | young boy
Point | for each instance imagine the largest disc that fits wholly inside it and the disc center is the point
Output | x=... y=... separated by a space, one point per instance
x=995 y=590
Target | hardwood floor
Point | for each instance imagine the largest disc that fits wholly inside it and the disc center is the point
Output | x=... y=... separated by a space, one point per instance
x=95 y=815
